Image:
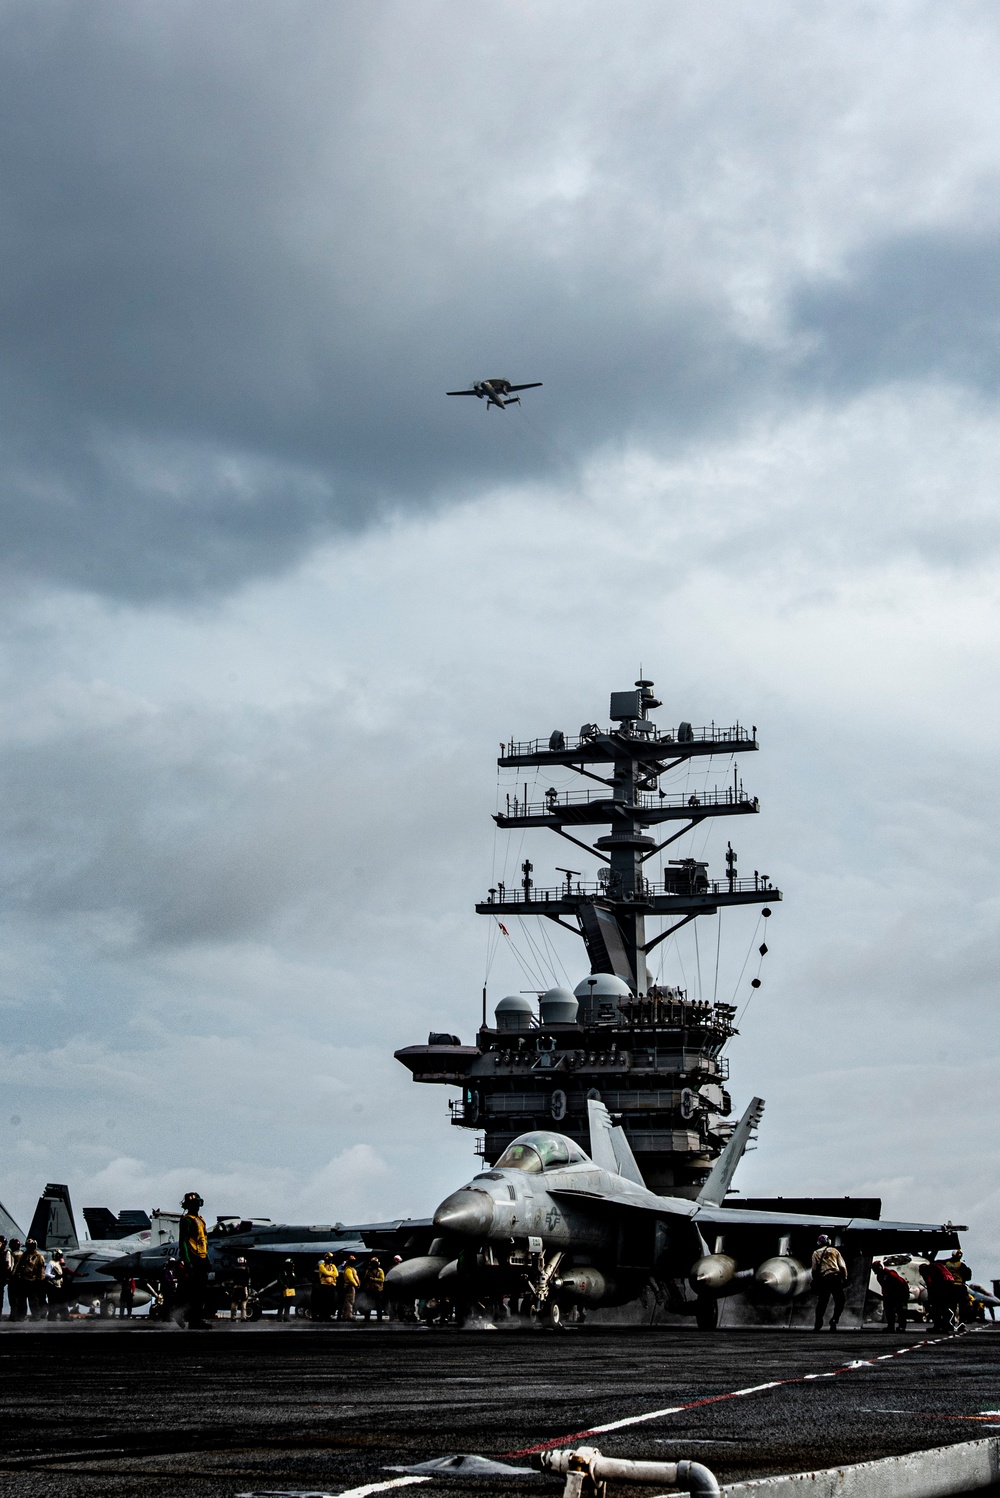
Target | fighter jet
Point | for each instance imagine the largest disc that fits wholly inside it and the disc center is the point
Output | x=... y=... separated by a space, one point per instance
x=553 y=1228
x=89 y=1274
x=497 y=392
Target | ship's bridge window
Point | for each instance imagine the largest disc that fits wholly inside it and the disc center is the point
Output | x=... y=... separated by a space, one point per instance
x=540 y=1151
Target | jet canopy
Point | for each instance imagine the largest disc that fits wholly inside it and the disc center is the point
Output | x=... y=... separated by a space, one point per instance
x=540 y=1151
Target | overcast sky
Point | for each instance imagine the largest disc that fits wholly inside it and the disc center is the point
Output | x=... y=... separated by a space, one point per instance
x=270 y=600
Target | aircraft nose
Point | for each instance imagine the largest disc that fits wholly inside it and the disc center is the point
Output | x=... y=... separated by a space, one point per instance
x=465 y=1211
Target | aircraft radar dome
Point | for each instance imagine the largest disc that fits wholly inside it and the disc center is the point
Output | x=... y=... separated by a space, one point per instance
x=600 y=995
x=558 y=1007
x=515 y=1012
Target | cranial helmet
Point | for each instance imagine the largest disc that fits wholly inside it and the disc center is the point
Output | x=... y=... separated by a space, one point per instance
x=241 y=1261
x=192 y=1199
x=823 y=1240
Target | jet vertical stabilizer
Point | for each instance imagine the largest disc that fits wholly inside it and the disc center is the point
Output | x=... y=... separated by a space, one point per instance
x=52 y=1225
x=8 y=1227
x=713 y=1193
x=608 y=1146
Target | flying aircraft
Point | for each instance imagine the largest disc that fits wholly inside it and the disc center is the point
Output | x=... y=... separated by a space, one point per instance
x=497 y=392
x=554 y=1229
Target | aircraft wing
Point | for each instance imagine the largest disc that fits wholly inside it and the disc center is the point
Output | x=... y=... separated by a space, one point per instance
x=713 y=1192
x=941 y=1235
x=535 y=385
x=460 y=392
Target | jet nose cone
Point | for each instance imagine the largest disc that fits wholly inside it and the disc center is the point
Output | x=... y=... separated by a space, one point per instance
x=466 y=1211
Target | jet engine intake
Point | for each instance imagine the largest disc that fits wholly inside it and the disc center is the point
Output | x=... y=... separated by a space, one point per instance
x=713 y=1275
x=783 y=1277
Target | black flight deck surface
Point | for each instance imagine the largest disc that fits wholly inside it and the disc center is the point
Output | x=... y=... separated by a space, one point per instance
x=130 y=1410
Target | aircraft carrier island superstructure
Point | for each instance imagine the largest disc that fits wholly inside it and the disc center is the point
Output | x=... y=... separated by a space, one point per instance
x=649 y=1052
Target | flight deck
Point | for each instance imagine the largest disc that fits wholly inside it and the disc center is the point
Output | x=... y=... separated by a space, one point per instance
x=110 y=1411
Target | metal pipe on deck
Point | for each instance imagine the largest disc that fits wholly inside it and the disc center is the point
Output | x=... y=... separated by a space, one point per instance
x=587 y=1471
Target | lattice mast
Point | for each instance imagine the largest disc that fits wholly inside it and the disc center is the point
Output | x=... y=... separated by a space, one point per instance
x=611 y=914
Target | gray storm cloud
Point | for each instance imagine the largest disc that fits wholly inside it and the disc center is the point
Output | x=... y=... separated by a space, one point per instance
x=246 y=249
x=271 y=598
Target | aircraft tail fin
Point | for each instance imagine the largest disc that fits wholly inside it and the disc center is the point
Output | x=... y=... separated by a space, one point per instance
x=713 y=1192
x=609 y=1147
x=52 y=1225
x=8 y=1227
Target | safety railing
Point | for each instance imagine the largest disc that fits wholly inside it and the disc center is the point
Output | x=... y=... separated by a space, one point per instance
x=518 y=806
x=649 y=734
x=502 y=894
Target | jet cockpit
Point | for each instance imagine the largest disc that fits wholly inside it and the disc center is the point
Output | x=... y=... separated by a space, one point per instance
x=539 y=1151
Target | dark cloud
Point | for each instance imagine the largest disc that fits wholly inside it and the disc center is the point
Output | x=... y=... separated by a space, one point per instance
x=922 y=306
x=229 y=313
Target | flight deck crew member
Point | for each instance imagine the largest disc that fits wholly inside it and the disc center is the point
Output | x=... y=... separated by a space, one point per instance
x=349 y=1286
x=193 y=1252
x=29 y=1273
x=6 y=1265
x=829 y=1275
x=942 y=1290
x=373 y=1283
x=239 y=1290
x=961 y=1274
x=15 y=1288
x=286 y=1289
x=324 y=1303
x=895 y=1296
x=56 y=1288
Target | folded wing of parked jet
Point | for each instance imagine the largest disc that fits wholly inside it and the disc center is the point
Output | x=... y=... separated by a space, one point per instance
x=713 y=1192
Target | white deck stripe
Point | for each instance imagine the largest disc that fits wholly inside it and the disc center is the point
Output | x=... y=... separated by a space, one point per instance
x=381 y=1487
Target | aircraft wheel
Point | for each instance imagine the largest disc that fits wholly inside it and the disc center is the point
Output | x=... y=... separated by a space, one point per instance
x=707 y=1313
x=554 y=1313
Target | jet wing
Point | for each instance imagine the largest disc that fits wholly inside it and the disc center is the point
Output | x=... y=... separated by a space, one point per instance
x=535 y=385
x=461 y=392
x=942 y=1235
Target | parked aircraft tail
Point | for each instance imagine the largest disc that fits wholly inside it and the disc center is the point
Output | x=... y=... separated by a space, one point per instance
x=52 y=1225
x=713 y=1192
x=608 y=1146
x=8 y=1227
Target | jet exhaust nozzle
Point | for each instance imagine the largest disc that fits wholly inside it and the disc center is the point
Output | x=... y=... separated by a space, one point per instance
x=413 y=1275
x=712 y=1274
x=783 y=1277
x=467 y=1211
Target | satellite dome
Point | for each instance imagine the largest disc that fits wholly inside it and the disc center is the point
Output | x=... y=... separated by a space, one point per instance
x=515 y=1012
x=600 y=995
x=558 y=1007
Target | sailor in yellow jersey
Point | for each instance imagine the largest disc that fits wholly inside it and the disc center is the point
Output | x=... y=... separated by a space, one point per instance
x=349 y=1286
x=194 y=1260
x=324 y=1302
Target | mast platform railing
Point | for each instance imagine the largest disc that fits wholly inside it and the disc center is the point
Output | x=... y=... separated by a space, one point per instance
x=710 y=733
x=647 y=888
x=644 y=801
